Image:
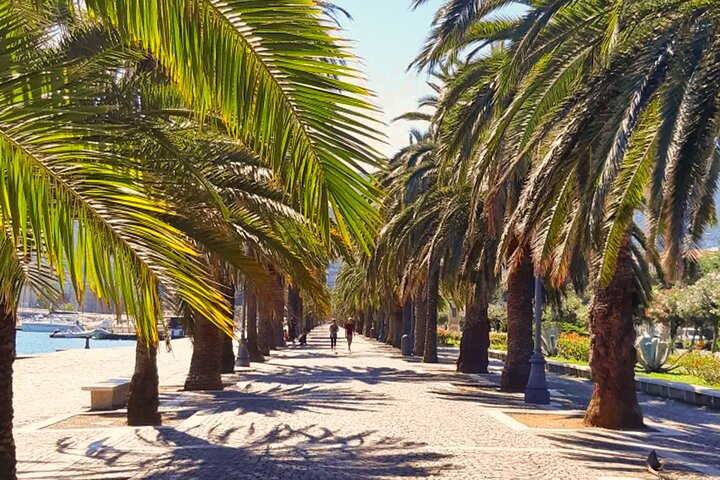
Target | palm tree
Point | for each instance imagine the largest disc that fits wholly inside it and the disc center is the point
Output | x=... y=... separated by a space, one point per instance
x=74 y=203
x=317 y=158
x=299 y=109
x=623 y=119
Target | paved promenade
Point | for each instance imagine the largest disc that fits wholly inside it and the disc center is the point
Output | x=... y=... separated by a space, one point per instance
x=312 y=414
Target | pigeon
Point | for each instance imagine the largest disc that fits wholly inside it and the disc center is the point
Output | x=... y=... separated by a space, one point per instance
x=653 y=463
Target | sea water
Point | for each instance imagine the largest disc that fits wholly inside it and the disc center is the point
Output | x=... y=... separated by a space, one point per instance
x=32 y=343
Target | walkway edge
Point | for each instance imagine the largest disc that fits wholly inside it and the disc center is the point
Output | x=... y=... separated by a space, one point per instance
x=684 y=392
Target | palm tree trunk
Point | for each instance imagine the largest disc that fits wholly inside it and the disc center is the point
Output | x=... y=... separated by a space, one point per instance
x=421 y=310
x=475 y=339
x=430 y=352
x=144 y=398
x=206 y=363
x=294 y=311
x=519 y=322
x=407 y=318
x=8 y=462
x=360 y=322
x=279 y=312
x=389 y=326
x=369 y=323
x=614 y=402
x=308 y=323
x=398 y=326
x=265 y=330
x=251 y=326
x=228 y=355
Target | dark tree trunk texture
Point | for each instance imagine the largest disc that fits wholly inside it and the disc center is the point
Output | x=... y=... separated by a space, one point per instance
x=279 y=311
x=294 y=311
x=381 y=326
x=360 y=323
x=475 y=340
x=8 y=460
x=390 y=326
x=519 y=323
x=308 y=323
x=265 y=330
x=420 y=323
x=369 y=324
x=407 y=318
x=252 y=327
x=206 y=362
x=228 y=355
x=398 y=327
x=614 y=402
x=430 y=351
x=144 y=398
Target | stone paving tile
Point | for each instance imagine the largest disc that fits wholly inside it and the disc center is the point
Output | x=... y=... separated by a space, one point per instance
x=313 y=414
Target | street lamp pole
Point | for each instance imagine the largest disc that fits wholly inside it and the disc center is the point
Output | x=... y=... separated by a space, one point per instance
x=537 y=389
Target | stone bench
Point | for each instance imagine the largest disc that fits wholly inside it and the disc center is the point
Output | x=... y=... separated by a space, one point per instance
x=108 y=395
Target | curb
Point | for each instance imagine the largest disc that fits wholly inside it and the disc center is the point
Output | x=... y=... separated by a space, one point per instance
x=684 y=392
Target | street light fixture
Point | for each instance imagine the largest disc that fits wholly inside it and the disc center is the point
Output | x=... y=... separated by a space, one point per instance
x=537 y=389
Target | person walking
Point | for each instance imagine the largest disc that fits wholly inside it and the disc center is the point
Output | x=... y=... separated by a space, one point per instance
x=334 y=328
x=349 y=331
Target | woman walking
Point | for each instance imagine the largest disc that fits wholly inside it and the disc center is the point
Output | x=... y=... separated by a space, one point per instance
x=349 y=331
x=333 y=334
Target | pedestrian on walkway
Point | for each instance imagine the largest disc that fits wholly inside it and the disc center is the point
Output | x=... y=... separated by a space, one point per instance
x=349 y=331
x=334 y=328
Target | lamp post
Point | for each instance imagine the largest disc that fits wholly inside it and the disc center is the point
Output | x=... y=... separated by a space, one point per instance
x=537 y=390
x=243 y=356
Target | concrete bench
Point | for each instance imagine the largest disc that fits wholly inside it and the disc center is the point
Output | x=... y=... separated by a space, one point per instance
x=108 y=395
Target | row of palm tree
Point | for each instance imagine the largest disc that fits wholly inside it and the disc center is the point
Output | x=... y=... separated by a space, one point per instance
x=162 y=153
x=574 y=140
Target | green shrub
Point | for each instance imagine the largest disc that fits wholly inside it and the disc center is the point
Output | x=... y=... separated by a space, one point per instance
x=498 y=341
x=705 y=367
x=572 y=328
x=447 y=338
x=574 y=347
x=496 y=314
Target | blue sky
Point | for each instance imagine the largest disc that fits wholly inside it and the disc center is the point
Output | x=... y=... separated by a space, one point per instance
x=387 y=35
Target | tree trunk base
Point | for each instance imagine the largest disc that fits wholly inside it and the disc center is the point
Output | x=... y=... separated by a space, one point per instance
x=200 y=382
x=613 y=357
x=474 y=346
x=516 y=372
x=618 y=412
x=206 y=363
x=228 y=355
x=8 y=461
x=514 y=380
x=144 y=398
x=255 y=355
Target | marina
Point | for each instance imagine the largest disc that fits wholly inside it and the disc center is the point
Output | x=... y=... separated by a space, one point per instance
x=35 y=343
x=39 y=332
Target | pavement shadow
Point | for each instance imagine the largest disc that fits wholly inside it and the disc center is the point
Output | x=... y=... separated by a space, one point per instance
x=333 y=374
x=271 y=400
x=287 y=452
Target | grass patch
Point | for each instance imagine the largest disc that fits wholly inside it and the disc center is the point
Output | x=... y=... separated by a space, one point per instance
x=675 y=376
x=571 y=361
x=679 y=377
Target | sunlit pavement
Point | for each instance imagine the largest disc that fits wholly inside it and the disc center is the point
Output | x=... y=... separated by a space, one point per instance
x=310 y=413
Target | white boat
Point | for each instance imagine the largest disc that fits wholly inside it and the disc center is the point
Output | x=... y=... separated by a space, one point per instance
x=53 y=322
x=76 y=332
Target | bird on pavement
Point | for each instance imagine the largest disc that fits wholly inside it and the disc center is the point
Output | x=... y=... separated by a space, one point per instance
x=653 y=463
